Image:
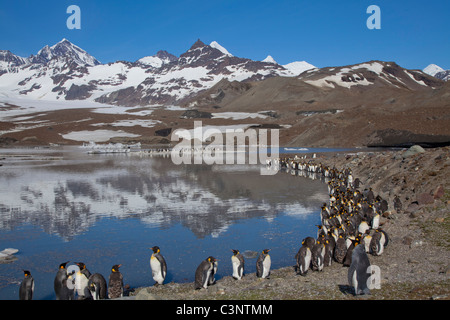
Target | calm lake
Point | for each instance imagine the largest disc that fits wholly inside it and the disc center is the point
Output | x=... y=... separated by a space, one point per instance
x=64 y=204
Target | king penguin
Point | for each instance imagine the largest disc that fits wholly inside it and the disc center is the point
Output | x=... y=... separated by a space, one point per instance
x=237 y=260
x=81 y=282
x=348 y=256
x=340 y=249
x=61 y=284
x=26 y=289
x=158 y=266
x=303 y=258
x=375 y=223
x=115 y=284
x=309 y=242
x=358 y=272
x=378 y=242
x=263 y=264
x=203 y=273
x=317 y=256
x=212 y=277
x=97 y=286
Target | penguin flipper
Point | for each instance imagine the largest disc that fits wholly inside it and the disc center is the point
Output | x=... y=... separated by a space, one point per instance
x=259 y=268
x=163 y=265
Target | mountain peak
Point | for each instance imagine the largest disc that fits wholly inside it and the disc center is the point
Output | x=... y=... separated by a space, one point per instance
x=269 y=59
x=432 y=69
x=197 y=44
x=164 y=55
x=157 y=61
x=217 y=46
x=65 y=48
x=297 y=67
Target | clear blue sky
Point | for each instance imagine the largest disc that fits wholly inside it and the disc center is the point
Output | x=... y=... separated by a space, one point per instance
x=413 y=33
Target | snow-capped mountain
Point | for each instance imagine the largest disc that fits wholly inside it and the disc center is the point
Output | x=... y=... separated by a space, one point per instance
x=65 y=49
x=379 y=73
x=270 y=59
x=217 y=46
x=65 y=71
x=438 y=72
x=432 y=69
x=298 y=67
x=158 y=60
x=8 y=59
x=295 y=68
x=312 y=85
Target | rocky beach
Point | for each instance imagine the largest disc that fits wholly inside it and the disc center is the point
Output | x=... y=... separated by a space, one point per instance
x=415 y=264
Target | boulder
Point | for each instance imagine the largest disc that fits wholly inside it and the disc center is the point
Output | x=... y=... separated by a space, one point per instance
x=438 y=192
x=416 y=149
x=425 y=198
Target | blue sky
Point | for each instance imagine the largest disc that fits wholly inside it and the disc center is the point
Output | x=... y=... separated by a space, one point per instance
x=413 y=33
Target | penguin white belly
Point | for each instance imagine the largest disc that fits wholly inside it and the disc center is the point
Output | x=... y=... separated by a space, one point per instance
x=348 y=242
x=206 y=280
x=81 y=283
x=235 y=261
x=266 y=267
x=381 y=245
x=156 y=270
x=320 y=263
x=307 y=261
x=363 y=226
x=376 y=222
x=367 y=240
x=355 y=282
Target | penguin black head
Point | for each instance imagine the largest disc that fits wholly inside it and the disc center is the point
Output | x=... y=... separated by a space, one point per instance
x=266 y=251
x=26 y=273
x=81 y=265
x=235 y=251
x=155 y=249
x=63 y=265
x=211 y=259
x=115 y=268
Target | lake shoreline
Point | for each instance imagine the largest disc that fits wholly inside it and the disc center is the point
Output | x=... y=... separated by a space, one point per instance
x=415 y=265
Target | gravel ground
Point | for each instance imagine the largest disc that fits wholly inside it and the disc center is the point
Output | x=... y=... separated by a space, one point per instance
x=415 y=264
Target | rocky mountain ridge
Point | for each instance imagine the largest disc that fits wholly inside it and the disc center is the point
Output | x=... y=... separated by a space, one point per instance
x=66 y=72
x=437 y=72
x=373 y=103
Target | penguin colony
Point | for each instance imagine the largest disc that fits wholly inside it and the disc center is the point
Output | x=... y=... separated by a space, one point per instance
x=349 y=229
x=350 y=224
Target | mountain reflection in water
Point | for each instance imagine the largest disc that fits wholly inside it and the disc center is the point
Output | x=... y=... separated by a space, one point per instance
x=63 y=204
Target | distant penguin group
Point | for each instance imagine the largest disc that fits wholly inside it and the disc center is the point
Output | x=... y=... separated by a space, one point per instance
x=350 y=225
x=84 y=285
